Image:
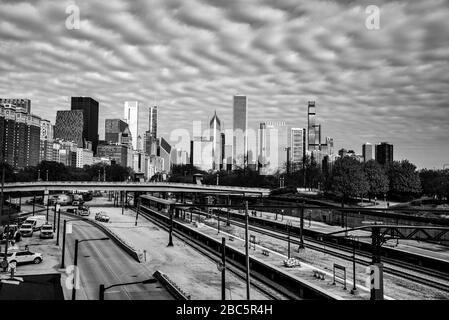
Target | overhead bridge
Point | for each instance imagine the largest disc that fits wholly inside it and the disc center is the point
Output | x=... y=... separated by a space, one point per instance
x=132 y=186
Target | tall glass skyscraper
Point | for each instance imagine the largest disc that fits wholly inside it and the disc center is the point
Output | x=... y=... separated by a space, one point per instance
x=137 y=117
x=215 y=136
x=240 y=127
x=153 y=121
x=384 y=153
x=298 y=145
x=90 y=113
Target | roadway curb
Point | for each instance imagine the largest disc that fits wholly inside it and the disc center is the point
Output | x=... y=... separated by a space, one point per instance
x=126 y=247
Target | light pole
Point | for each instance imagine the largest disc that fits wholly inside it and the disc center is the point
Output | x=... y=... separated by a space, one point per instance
x=103 y=288
x=354 y=286
x=170 y=232
x=247 y=252
x=64 y=231
x=75 y=262
x=47 y=174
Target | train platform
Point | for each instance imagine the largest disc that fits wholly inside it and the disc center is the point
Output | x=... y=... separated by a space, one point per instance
x=435 y=251
x=196 y=274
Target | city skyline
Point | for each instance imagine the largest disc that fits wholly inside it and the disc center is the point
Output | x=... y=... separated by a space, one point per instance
x=369 y=85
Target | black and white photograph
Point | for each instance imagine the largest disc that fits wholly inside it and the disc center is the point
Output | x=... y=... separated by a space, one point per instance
x=224 y=154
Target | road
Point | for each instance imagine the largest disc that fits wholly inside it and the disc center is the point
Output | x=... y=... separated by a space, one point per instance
x=103 y=262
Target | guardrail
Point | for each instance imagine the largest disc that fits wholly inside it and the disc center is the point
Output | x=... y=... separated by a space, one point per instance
x=171 y=286
x=126 y=247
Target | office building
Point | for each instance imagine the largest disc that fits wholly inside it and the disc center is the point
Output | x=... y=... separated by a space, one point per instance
x=84 y=157
x=298 y=145
x=117 y=153
x=165 y=150
x=384 y=153
x=153 y=121
x=117 y=131
x=46 y=141
x=70 y=126
x=216 y=139
x=367 y=152
x=90 y=114
x=313 y=129
x=22 y=105
x=240 y=127
x=137 y=117
x=274 y=140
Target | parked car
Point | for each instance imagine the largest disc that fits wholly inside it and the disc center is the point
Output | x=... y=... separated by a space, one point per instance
x=100 y=216
x=72 y=210
x=26 y=230
x=22 y=256
x=47 y=231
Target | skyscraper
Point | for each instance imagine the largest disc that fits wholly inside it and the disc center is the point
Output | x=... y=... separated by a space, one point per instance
x=46 y=141
x=240 y=127
x=274 y=139
x=314 y=129
x=298 y=145
x=367 y=152
x=138 y=119
x=90 y=116
x=384 y=153
x=215 y=137
x=70 y=126
x=153 y=121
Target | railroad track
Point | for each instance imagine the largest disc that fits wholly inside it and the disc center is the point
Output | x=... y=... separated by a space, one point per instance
x=345 y=253
x=258 y=281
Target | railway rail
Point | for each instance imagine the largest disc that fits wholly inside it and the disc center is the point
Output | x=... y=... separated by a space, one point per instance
x=394 y=267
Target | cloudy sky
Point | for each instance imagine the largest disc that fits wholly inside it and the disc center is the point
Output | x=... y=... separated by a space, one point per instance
x=191 y=57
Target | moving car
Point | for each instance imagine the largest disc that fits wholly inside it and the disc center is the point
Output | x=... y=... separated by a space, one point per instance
x=26 y=229
x=100 y=216
x=22 y=256
x=47 y=231
x=83 y=210
x=36 y=221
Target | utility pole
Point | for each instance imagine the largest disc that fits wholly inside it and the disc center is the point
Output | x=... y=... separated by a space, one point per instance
x=75 y=263
x=59 y=222
x=223 y=271
x=64 y=231
x=170 y=236
x=354 y=286
x=247 y=252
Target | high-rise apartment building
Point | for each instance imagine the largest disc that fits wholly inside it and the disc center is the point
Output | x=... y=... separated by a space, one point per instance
x=23 y=105
x=367 y=152
x=137 y=117
x=19 y=136
x=240 y=127
x=70 y=126
x=298 y=145
x=89 y=107
x=215 y=137
x=384 y=153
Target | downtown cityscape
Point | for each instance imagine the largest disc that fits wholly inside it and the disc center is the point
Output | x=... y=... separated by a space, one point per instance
x=233 y=157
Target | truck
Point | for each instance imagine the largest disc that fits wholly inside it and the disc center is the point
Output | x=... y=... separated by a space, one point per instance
x=65 y=199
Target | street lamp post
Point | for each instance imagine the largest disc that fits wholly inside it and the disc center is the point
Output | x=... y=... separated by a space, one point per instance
x=103 y=288
x=354 y=286
x=170 y=232
x=75 y=262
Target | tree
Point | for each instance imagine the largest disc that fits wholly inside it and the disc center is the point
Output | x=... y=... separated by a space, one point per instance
x=404 y=179
x=435 y=183
x=348 y=179
x=377 y=179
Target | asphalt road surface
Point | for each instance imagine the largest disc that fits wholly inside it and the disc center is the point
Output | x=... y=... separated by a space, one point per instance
x=103 y=262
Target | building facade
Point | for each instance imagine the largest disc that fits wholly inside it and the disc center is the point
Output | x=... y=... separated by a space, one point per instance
x=70 y=126
x=90 y=110
x=367 y=152
x=215 y=137
x=384 y=153
x=240 y=127
x=117 y=153
x=23 y=105
x=298 y=145
x=137 y=117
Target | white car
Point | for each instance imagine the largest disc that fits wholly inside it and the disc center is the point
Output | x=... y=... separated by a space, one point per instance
x=24 y=256
x=47 y=231
x=26 y=230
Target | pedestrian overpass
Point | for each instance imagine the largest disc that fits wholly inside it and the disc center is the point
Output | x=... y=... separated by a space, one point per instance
x=46 y=186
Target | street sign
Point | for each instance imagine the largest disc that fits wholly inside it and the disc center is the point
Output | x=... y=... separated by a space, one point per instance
x=69 y=228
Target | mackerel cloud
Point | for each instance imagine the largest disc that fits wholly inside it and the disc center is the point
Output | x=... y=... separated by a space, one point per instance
x=190 y=57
